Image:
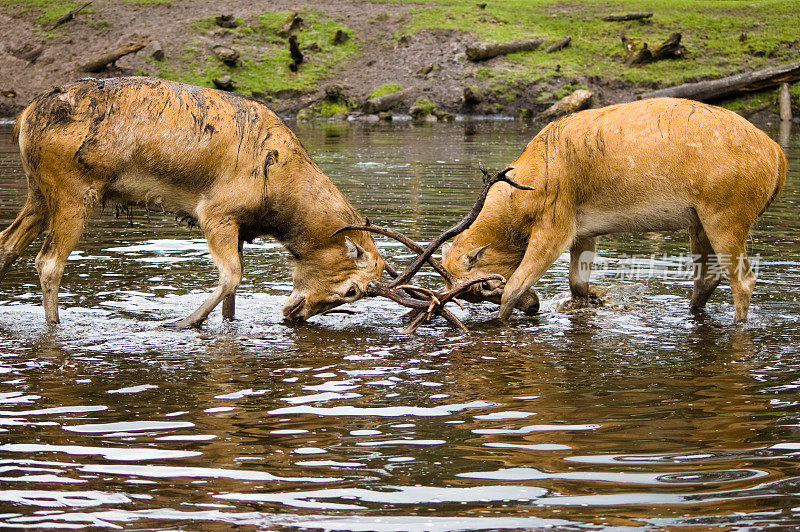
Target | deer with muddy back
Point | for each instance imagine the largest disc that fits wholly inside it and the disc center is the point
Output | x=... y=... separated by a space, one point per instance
x=652 y=165
x=224 y=161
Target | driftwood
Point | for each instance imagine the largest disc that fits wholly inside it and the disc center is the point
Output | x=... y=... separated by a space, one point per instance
x=481 y=51
x=576 y=101
x=226 y=21
x=293 y=23
x=295 y=53
x=629 y=16
x=560 y=45
x=785 y=102
x=732 y=85
x=670 y=49
x=224 y=83
x=226 y=54
x=101 y=62
x=341 y=37
x=63 y=19
x=385 y=102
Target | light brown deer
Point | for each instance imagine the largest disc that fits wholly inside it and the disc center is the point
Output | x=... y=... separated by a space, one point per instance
x=651 y=165
x=224 y=161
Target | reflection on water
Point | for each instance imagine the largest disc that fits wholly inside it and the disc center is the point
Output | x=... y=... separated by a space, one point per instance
x=636 y=414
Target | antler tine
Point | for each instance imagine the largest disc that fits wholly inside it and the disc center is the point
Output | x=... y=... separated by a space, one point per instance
x=403 y=239
x=484 y=171
x=460 y=227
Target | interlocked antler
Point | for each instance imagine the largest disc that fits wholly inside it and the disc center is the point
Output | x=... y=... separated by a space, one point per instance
x=426 y=303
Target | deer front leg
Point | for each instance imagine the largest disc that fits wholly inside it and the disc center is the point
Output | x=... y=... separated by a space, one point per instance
x=229 y=303
x=66 y=226
x=544 y=247
x=581 y=255
x=223 y=238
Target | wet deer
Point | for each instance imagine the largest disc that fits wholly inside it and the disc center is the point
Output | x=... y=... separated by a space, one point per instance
x=652 y=165
x=224 y=161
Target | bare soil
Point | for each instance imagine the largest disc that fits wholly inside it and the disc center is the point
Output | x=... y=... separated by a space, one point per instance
x=431 y=63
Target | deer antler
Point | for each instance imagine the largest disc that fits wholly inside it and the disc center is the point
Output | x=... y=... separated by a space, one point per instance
x=426 y=303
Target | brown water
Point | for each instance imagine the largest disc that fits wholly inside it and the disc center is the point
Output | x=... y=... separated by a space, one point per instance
x=639 y=416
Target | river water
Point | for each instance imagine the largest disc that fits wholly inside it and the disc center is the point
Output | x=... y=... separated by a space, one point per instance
x=636 y=415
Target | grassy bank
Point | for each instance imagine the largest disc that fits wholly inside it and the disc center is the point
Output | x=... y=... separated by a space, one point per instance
x=721 y=37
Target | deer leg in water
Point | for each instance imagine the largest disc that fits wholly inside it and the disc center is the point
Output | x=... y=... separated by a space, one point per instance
x=707 y=273
x=545 y=245
x=581 y=255
x=229 y=303
x=66 y=225
x=727 y=235
x=223 y=238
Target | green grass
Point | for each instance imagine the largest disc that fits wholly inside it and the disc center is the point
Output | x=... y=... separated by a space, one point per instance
x=710 y=30
x=265 y=55
x=426 y=104
x=386 y=88
x=330 y=108
x=47 y=11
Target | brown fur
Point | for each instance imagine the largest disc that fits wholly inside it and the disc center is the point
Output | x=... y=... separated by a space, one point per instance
x=226 y=161
x=652 y=165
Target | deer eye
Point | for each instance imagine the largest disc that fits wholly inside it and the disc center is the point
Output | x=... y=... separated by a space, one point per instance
x=486 y=286
x=352 y=292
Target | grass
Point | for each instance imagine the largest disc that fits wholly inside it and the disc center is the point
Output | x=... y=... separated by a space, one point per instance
x=265 y=57
x=425 y=104
x=710 y=30
x=47 y=10
x=386 y=88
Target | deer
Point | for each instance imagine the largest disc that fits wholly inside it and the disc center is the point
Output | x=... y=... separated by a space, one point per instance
x=223 y=161
x=660 y=164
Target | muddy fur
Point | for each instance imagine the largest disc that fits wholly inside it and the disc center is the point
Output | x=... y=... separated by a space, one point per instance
x=223 y=162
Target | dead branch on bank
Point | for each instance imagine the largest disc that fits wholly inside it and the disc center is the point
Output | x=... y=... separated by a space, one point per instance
x=731 y=85
x=101 y=62
x=629 y=16
x=560 y=45
x=481 y=51
x=63 y=19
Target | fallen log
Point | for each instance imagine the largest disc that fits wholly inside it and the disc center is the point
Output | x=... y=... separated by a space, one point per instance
x=785 y=103
x=560 y=45
x=63 y=19
x=295 y=53
x=716 y=89
x=293 y=23
x=576 y=101
x=481 y=51
x=670 y=49
x=385 y=102
x=99 y=63
x=629 y=16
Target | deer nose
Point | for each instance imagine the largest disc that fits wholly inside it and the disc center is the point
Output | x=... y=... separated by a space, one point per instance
x=293 y=308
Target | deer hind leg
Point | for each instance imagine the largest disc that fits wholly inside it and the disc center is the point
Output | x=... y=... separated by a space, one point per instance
x=222 y=236
x=727 y=235
x=581 y=255
x=229 y=303
x=707 y=273
x=67 y=221
x=30 y=222
x=544 y=247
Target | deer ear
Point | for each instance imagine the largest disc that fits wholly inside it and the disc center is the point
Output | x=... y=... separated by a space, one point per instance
x=446 y=249
x=357 y=253
x=471 y=258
